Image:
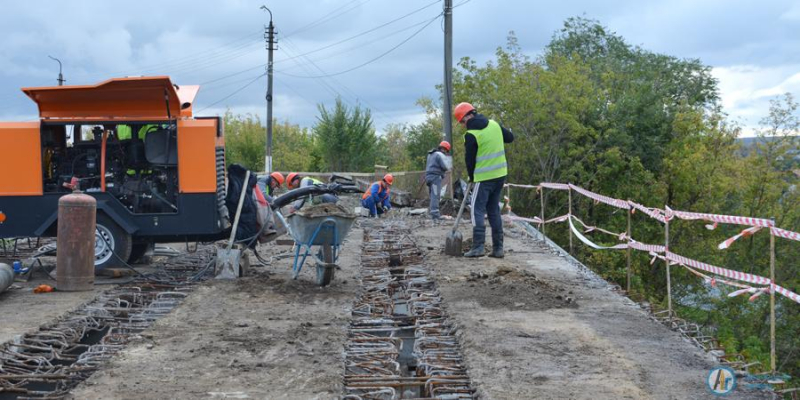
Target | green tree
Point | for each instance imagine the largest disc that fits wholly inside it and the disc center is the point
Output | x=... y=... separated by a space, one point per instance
x=345 y=139
x=245 y=137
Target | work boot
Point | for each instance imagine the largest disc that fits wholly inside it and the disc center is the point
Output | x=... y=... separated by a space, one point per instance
x=475 y=252
x=497 y=245
x=478 y=239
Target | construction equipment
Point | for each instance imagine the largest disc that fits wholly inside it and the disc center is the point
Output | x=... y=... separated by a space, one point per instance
x=156 y=171
x=453 y=243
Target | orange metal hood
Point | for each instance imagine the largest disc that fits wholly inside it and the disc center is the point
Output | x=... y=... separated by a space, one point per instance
x=139 y=98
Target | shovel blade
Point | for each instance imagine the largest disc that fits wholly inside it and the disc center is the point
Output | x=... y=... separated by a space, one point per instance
x=452 y=246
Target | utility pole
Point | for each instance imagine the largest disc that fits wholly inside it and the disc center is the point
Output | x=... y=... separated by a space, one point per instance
x=61 y=79
x=447 y=112
x=270 y=36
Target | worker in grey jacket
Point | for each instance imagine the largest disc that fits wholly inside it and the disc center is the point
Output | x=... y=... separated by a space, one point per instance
x=438 y=164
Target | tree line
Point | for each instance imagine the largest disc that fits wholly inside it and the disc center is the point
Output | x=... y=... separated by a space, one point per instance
x=616 y=119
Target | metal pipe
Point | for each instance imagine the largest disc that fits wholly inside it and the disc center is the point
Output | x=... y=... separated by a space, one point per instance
x=6 y=276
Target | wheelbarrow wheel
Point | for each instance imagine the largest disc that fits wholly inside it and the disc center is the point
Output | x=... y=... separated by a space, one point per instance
x=326 y=269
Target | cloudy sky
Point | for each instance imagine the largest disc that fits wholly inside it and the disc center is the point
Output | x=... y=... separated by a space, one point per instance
x=753 y=46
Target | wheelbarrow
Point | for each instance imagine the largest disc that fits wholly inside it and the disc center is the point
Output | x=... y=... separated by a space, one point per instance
x=328 y=232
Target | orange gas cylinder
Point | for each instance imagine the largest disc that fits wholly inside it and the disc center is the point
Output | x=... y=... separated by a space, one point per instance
x=76 y=237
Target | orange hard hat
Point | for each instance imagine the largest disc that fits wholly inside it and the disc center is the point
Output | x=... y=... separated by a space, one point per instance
x=388 y=178
x=290 y=180
x=461 y=110
x=445 y=145
x=278 y=177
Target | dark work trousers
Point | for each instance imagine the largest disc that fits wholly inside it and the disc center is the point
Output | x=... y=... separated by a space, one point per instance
x=486 y=201
x=435 y=190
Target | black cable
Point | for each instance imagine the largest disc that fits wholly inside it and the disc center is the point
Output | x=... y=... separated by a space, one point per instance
x=232 y=94
x=328 y=46
x=370 y=61
x=327 y=17
x=362 y=33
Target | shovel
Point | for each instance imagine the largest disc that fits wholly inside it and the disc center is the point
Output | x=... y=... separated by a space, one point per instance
x=452 y=246
x=228 y=258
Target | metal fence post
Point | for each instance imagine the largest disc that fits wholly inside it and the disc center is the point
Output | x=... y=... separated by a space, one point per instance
x=541 y=196
x=772 y=301
x=569 y=193
x=669 y=283
x=628 y=250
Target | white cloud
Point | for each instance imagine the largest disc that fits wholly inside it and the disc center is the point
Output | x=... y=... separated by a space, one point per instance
x=747 y=89
x=792 y=14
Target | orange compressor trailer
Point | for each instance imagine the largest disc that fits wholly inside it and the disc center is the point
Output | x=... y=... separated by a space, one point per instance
x=156 y=171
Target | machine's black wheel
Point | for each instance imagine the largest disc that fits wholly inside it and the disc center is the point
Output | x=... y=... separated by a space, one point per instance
x=325 y=270
x=112 y=245
x=138 y=249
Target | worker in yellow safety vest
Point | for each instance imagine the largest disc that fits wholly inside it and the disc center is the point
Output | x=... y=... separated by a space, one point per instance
x=485 y=159
x=294 y=181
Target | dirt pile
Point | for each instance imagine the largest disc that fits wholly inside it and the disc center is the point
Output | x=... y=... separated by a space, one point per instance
x=325 y=210
x=513 y=289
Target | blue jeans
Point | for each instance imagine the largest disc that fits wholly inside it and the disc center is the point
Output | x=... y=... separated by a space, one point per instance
x=486 y=201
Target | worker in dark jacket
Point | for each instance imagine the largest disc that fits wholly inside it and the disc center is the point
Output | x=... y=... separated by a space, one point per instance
x=268 y=183
x=438 y=164
x=485 y=158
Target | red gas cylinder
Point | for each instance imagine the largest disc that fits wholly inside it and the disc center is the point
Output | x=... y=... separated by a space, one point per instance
x=75 y=254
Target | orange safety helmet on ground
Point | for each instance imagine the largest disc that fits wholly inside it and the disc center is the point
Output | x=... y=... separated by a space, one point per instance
x=445 y=145
x=290 y=180
x=277 y=177
x=388 y=178
x=461 y=110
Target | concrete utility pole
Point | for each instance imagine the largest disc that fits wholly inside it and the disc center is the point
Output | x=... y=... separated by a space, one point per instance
x=61 y=79
x=447 y=110
x=270 y=36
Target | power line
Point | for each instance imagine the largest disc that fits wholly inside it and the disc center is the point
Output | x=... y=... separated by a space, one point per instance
x=336 y=81
x=328 y=46
x=328 y=17
x=370 y=61
x=232 y=94
x=214 y=53
x=353 y=48
x=362 y=33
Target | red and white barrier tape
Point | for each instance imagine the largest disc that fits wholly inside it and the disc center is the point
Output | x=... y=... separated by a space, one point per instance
x=590 y=243
x=588 y=228
x=725 y=219
x=788 y=293
x=655 y=248
x=599 y=197
x=521 y=186
x=785 y=234
x=745 y=233
x=557 y=186
x=535 y=220
x=739 y=276
x=654 y=213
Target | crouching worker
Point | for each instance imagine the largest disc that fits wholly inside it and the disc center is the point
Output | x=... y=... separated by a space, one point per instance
x=268 y=183
x=294 y=181
x=376 y=198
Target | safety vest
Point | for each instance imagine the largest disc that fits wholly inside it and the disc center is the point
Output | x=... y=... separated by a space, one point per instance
x=313 y=181
x=491 y=158
x=124 y=132
x=380 y=190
